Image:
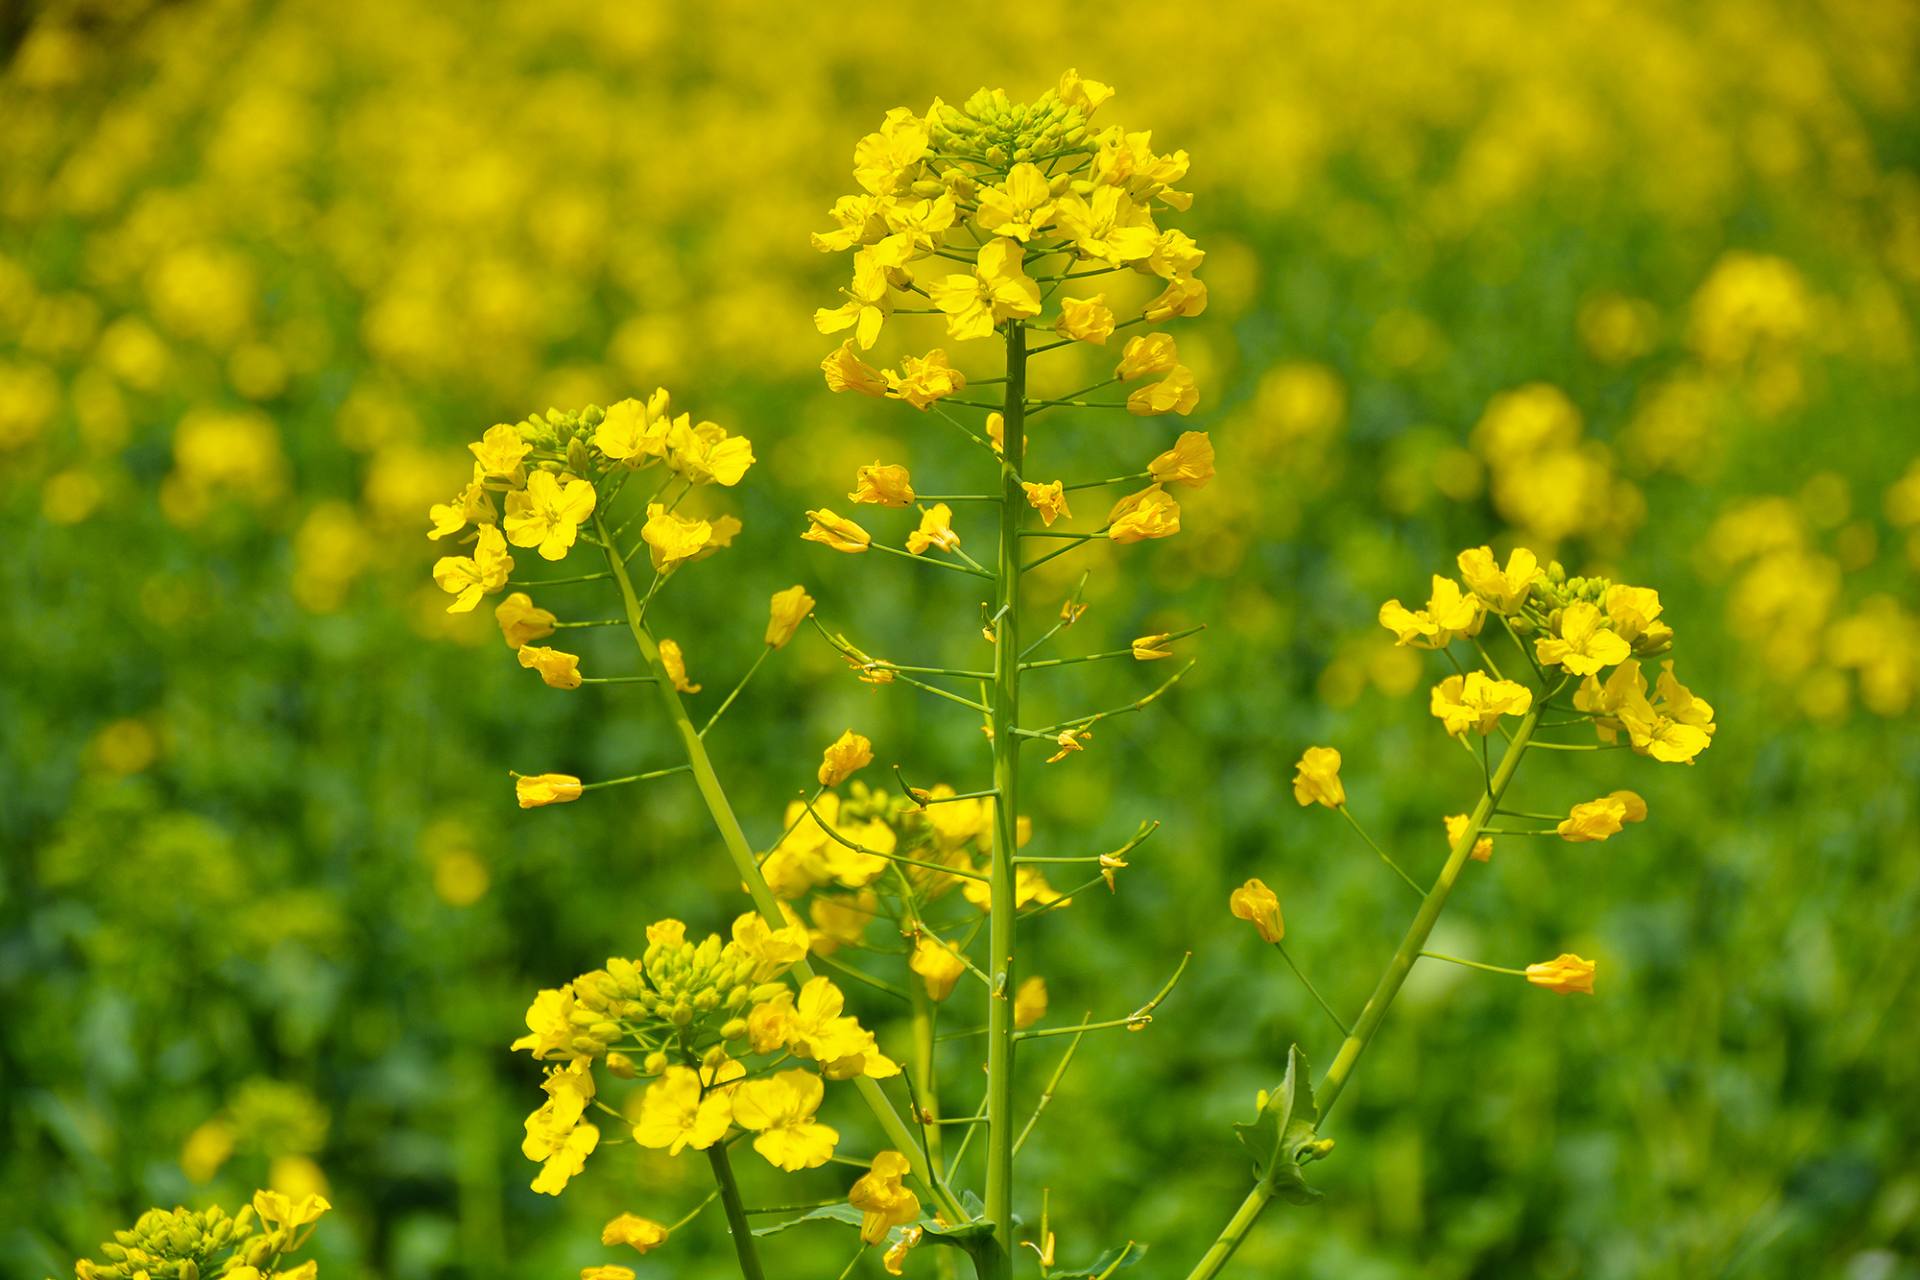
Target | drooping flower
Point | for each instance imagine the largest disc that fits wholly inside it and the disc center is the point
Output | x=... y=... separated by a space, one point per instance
x=848 y=372
x=886 y=486
x=1146 y=355
x=674 y=1115
x=547 y=514
x=1501 y=590
x=1259 y=906
x=607 y=1271
x=1316 y=778
x=1181 y=297
x=1565 y=974
x=546 y=788
x=1049 y=499
x=787 y=610
x=558 y=669
x=882 y=1198
x=924 y=379
x=467 y=578
x=675 y=663
x=1189 y=463
x=844 y=757
x=936 y=530
x=1150 y=513
x=1592 y=820
x=837 y=532
x=779 y=1109
x=1175 y=393
x=1583 y=644
x=521 y=621
x=1085 y=319
x=706 y=454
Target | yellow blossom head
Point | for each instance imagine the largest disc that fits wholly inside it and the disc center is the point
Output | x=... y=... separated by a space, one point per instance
x=1259 y=906
x=1316 y=778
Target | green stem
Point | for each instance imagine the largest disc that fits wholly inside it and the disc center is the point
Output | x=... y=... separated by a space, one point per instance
x=1411 y=882
x=1334 y=1083
x=1005 y=713
x=737 y=1224
x=734 y=838
x=1473 y=964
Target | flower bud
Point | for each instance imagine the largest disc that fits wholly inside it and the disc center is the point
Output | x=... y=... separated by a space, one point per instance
x=621 y=1065
x=656 y=1062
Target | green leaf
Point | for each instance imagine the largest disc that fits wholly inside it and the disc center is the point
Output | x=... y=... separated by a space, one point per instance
x=1117 y=1259
x=1283 y=1131
x=842 y=1212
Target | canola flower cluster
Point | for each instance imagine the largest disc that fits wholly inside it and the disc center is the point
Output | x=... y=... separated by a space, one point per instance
x=211 y=1244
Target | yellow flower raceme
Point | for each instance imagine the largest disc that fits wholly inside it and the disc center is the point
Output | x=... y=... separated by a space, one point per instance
x=935 y=531
x=671 y=540
x=1500 y=590
x=1456 y=825
x=1150 y=513
x=1188 y=463
x=779 y=1109
x=467 y=578
x=546 y=788
x=837 y=532
x=521 y=621
x=675 y=663
x=1259 y=906
x=1450 y=613
x=1565 y=975
x=1316 y=778
x=1476 y=702
x=1583 y=644
x=674 y=1115
x=886 y=486
x=882 y=1198
x=559 y=670
x=938 y=965
x=787 y=610
x=547 y=514
x=1146 y=355
x=844 y=757
x=1049 y=499
x=1085 y=319
x=1175 y=393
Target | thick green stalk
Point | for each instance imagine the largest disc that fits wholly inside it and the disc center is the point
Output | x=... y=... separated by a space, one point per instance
x=736 y=1208
x=1005 y=715
x=740 y=851
x=1335 y=1081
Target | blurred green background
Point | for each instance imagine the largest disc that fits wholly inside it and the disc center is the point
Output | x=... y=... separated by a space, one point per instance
x=1632 y=282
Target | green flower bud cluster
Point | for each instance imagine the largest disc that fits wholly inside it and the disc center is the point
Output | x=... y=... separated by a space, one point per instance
x=676 y=986
x=557 y=429
x=180 y=1244
x=995 y=131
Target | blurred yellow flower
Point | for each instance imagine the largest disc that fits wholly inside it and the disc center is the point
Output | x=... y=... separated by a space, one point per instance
x=1029 y=1002
x=837 y=532
x=546 y=788
x=1456 y=825
x=1049 y=499
x=1259 y=906
x=844 y=757
x=938 y=965
x=1316 y=778
x=1566 y=975
x=787 y=610
x=675 y=663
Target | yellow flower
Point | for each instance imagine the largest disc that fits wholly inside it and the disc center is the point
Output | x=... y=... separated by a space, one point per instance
x=1018 y=206
x=813 y=1027
x=1150 y=513
x=1566 y=975
x=472 y=504
x=1084 y=94
x=1188 y=463
x=1598 y=819
x=936 y=530
x=1029 y=1002
x=895 y=1259
x=1456 y=827
x=1501 y=590
x=547 y=514
x=1181 y=297
x=467 y=578
x=887 y=486
x=500 y=452
x=672 y=539
x=559 y=670
x=1069 y=741
x=869 y=297
x=277 y=1210
x=844 y=757
x=997 y=289
x=785 y=613
x=1477 y=702
x=521 y=621
x=549 y=1025
x=883 y=1201
x=606 y=1271
x=566 y=1160
x=938 y=965
x=924 y=379
x=1085 y=319
x=1634 y=613
x=1450 y=613
x=848 y=372
x=997 y=431
x=1260 y=906
x=1110 y=226
x=675 y=663
x=674 y=1115
x=1147 y=355
x=1175 y=393
x=1673 y=728
x=546 y=788
x=1316 y=778
x=1151 y=648
x=643 y=1234
x=780 y=1110
x=836 y=532
x=1049 y=499
x=633 y=431
x=773 y=951
x=1583 y=644
x=556 y=1135
x=706 y=454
